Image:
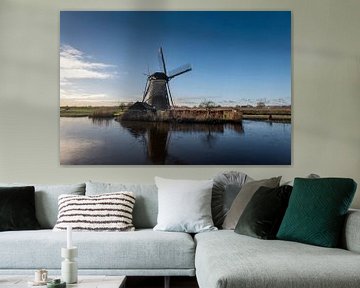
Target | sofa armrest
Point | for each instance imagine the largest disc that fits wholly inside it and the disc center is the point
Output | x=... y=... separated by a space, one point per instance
x=351 y=234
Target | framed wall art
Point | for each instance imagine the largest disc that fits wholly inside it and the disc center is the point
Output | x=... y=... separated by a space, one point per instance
x=175 y=87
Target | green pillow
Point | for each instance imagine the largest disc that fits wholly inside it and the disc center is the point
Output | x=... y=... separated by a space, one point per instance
x=316 y=211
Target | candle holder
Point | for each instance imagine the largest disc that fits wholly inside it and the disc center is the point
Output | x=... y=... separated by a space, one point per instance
x=69 y=271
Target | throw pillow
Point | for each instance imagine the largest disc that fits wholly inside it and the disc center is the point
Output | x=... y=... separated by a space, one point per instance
x=46 y=200
x=263 y=215
x=317 y=210
x=17 y=208
x=106 y=212
x=226 y=187
x=243 y=198
x=184 y=205
x=146 y=205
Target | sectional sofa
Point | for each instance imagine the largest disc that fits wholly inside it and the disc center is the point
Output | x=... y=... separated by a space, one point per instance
x=221 y=259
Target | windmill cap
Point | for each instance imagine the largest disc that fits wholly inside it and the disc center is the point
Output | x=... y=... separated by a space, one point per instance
x=159 y=75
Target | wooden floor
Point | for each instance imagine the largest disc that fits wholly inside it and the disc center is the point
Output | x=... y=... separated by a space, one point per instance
x=158 y=282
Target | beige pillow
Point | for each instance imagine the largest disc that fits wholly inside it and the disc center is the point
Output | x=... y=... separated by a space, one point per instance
x=243 y=198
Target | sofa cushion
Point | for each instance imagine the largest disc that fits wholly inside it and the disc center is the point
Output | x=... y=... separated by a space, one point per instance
x=243 y=198
x=317 y=210
x=146 y=205
x=263 y=215
x=225 y=259
x=105 y=212
x=143 y=249
x=184 y=205
x=46 y=200
x=226 y=187
x=17 y=208
x=350 y=239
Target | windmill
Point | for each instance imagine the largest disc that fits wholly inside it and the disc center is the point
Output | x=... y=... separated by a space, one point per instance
x=157 y=91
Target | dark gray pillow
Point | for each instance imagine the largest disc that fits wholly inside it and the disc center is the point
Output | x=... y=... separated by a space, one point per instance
x=226 y=187
x=243 y=198
x=263 y=214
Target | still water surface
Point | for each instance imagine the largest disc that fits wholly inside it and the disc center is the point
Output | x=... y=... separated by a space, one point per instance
x=85 y=141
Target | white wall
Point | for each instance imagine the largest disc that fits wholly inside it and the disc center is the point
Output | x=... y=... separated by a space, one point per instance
x=326 y=91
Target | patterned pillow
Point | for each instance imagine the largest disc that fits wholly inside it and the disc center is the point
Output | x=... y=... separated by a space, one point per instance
x=105 y=212
x=226 y=187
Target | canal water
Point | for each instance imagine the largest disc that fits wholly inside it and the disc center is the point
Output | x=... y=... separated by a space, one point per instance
x=85 y=141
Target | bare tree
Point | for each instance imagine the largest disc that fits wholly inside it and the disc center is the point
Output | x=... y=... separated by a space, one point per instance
x=207 y=104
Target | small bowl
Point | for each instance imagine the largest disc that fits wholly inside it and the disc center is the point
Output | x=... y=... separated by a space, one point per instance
x=56 y=283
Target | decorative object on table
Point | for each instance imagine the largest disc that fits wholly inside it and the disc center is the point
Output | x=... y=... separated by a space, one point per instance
x=56 y=283
x=40 y=279
x=68 y=265
x=41 y=275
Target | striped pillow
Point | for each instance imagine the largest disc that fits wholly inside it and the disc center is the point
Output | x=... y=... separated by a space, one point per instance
x=105 y=212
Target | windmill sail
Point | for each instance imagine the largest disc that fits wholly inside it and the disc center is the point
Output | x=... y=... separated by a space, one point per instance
x=180 y=70
x=162 y=60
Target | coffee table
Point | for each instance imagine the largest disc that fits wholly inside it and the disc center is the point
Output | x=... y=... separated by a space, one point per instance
x=84 y=281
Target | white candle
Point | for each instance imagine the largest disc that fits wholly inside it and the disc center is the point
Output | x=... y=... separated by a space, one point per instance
x=69 y=239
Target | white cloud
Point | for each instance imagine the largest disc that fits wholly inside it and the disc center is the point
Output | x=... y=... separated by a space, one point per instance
x=74 y=64
x=78 y=94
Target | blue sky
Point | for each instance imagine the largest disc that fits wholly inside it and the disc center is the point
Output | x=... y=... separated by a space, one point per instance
x=237 y=57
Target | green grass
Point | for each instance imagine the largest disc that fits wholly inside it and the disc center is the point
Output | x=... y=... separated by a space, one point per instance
x=89 y=111
x=277 y=113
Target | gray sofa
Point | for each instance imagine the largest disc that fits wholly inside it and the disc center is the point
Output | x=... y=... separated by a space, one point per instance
x=218 y=259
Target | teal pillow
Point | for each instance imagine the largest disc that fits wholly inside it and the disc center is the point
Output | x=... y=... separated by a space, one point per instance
x=316 y=211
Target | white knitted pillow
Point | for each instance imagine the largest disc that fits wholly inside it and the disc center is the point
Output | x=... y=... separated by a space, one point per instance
x=105 y=212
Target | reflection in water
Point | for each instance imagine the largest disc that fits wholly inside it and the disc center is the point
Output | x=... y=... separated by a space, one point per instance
x=158 y=139
x=86 y=141
x=157 y=135
x=102 y=122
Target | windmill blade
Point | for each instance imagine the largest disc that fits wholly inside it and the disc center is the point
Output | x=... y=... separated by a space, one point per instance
x=180 y=70
x=146 y=89
x=172 y=102
x=162 y=61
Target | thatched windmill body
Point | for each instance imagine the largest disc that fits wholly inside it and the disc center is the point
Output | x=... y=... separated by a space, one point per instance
x=157 y=91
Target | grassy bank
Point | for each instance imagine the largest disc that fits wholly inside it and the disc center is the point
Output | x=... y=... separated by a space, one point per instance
x=277 y=114
x=89 y=111
x=185 y=115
